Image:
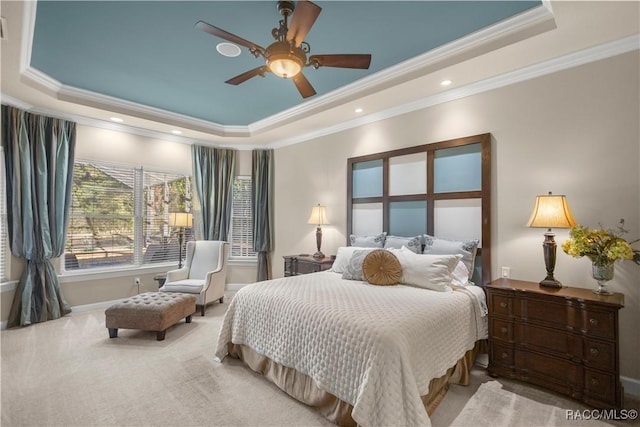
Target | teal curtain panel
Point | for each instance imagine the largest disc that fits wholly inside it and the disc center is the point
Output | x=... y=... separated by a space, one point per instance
x=39 y=154
x=213 y=174
x=262 y=171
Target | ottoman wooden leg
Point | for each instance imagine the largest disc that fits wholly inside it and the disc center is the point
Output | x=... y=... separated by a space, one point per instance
x=187 y=319
x=113 y=332
x=160 y=335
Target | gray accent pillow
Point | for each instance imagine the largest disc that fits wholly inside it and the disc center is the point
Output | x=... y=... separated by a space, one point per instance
x=376 y=241
x=397 y=242
x=466 y=248
x=353 y=270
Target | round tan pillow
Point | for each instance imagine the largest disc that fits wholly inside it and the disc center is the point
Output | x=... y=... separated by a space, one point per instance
x=382 y=268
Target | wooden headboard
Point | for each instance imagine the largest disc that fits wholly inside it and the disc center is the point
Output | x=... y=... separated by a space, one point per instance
x=442 y=189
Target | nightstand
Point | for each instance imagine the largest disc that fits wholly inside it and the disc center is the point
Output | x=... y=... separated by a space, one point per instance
x=563 y=339
x=295 y=265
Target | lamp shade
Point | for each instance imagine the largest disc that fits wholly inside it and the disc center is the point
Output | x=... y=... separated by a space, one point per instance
x=551 y=211
x=180 y=219
x=318 y=216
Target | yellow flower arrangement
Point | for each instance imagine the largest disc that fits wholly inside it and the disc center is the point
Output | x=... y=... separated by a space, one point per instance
x=602 y=247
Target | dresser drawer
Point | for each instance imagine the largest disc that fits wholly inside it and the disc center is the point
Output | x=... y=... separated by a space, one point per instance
x=501 y=355
x=599 y=354
x=600 y=323
x=600 y=385
x=549 y=369
x=501 y=330
x=501 y=304
x=556 y=341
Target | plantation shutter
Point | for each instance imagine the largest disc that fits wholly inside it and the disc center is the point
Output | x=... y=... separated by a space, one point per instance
x=4 y=239
x=241 y=219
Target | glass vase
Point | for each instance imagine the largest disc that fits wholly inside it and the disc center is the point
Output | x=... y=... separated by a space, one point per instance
x=602 y=274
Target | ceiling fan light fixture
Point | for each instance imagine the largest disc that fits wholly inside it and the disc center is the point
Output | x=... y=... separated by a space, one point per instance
x=284 y=61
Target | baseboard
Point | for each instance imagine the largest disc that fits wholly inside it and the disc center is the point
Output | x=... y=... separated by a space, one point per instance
x=631 y=386
x=235 y=286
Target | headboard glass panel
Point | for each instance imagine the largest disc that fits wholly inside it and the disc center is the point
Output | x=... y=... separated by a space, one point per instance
x=442 y=189
x=458 y=169
x=367 y=219
x=367 y=179
x=458 y=219
x=408 y=219
x=408 y=174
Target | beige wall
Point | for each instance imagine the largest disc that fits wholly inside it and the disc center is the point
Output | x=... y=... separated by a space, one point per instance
x=574 y=132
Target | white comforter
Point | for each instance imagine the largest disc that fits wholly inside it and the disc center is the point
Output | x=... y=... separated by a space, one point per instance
x=375 y=347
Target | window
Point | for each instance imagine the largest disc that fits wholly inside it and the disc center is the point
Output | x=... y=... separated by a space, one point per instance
x=4 y=240
x=241 y=219
x=119 y=216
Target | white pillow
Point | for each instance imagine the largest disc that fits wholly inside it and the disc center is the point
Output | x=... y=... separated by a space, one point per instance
x=343 y=256
x=461 y=275
x=427 y=271
x=466 y=248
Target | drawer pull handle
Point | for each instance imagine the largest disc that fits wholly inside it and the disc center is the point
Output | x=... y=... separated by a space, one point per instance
x=593 y=351
x=504 y=355
x=594 y=381
x=503 y=330
x=503 y=305
x=594 y=322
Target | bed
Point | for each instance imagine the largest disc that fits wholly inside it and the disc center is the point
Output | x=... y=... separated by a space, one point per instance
x=374 y=348
x=381 y=355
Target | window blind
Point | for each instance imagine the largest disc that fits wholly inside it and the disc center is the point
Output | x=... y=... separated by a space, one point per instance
x=241 y=219
x=4 y=239
x=119 y=216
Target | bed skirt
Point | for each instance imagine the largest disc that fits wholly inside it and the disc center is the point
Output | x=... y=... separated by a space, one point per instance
x=304 y=388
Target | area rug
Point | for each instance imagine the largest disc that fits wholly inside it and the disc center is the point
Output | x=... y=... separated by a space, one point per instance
x=522 y=407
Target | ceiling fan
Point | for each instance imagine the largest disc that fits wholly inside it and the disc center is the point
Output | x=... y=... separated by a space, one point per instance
x=288 y=54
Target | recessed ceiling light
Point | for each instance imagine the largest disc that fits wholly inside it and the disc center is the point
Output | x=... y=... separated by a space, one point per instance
x=116 y=119
x=176 y=132
x=446 y=82
x=228 y=49
x=358 y=110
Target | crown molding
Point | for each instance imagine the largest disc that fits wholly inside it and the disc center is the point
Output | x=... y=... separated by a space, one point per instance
x=540 y=18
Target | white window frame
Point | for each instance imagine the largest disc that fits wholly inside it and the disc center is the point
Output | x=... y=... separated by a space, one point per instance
x=137 y=264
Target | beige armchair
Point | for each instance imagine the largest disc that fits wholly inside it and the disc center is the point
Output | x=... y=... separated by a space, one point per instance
x=203 y=274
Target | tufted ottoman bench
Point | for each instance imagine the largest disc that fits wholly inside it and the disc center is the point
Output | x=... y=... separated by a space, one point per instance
x=151 y=311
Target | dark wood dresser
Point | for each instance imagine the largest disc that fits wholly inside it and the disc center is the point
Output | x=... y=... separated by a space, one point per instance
x=563 y=339
x=304 y=264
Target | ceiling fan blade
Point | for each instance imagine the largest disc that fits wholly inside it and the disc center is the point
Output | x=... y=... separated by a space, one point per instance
x=354 y=60
x=218 y=32
x=241 y=78
x=304 y=15
x=303 y=85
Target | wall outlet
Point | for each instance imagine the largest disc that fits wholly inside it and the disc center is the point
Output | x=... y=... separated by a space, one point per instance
x=506 y=272
x=136 y=281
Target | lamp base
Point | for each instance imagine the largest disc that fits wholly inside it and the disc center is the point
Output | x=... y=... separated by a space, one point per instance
x=318 y=255
x=550 y=282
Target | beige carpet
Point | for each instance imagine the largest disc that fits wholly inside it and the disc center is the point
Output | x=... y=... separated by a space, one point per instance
x=68 y=372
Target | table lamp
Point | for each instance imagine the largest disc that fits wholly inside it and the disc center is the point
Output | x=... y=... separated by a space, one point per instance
x=551 y=211
x=181 y=220
x=318 y=217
